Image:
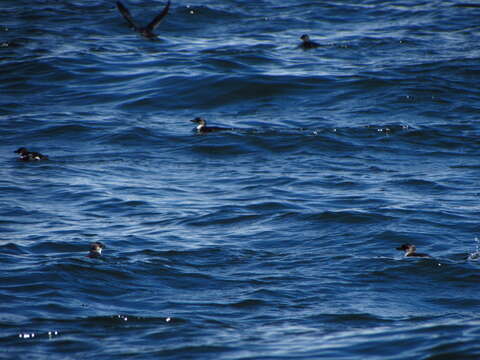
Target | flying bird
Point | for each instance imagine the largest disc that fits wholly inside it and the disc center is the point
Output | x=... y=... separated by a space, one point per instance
x=146 y=31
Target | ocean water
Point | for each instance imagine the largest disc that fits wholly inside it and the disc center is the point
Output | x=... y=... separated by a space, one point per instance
x=274 y=240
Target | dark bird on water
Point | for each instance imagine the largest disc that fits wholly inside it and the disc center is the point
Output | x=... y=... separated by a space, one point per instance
x=203 y=128
x=25 y=155
x=146 y=31
x=96 y=249
x=410 y=251
x=307 y=43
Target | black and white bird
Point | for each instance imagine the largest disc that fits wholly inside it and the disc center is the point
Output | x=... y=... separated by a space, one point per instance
x=410 y=251
x=203 y=128
x=25 y=155
x=96 y=249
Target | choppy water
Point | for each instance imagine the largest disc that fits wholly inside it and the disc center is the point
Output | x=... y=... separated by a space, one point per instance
x=272 y=241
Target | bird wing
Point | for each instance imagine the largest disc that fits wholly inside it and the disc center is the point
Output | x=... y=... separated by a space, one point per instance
x=158 y=18
x=126 y=14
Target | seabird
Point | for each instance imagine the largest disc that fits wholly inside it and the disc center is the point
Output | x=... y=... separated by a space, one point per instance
x=96 y=249
x=203 y=128
x=26 y=155
x=410 y=251
x=307 y=43
x=146 y=31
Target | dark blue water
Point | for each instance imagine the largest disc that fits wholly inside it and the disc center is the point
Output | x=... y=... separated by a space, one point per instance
x=275 y=240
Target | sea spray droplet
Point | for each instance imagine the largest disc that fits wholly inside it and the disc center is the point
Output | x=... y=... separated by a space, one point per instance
x=475 y=255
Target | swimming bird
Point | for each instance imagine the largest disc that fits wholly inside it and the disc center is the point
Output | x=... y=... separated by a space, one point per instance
x=410 y=251
x=307 y=43
x=146 y=31
x=96 y=249
x=203 y=128
x=26 y=155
